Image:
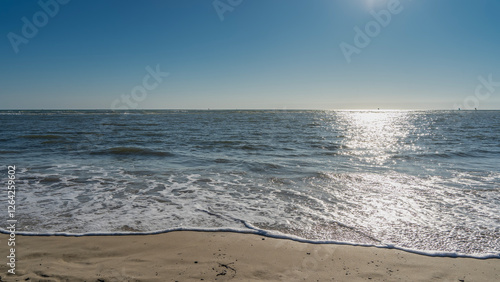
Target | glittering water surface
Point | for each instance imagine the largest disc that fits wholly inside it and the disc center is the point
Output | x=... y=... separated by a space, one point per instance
x=423 y=180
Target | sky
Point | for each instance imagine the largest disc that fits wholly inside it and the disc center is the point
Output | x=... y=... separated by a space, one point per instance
x=249 y=54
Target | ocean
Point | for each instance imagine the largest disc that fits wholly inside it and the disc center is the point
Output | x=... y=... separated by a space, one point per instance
x=423 y=181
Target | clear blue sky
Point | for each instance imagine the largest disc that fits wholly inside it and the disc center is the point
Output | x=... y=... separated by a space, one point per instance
x=263 y=54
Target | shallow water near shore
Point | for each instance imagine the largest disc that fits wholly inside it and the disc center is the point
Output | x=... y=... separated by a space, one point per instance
x=426 y=181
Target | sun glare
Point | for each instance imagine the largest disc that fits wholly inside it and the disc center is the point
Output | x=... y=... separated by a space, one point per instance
x=376 y=135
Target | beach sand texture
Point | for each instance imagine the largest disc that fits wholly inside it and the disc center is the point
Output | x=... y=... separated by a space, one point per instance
x=225 y=256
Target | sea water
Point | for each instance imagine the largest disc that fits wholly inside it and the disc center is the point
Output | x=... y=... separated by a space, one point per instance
x=426 y=181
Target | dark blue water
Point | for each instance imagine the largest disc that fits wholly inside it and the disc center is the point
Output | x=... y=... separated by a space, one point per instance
x=421 y=180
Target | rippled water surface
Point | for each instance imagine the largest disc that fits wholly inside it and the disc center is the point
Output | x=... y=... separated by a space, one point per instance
x=422 y=180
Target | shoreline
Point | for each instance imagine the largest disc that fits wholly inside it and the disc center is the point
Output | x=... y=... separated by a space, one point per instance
x=222 y=256
x=261 y=233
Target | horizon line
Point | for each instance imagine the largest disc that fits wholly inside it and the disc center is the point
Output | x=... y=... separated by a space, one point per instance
x=244 y=109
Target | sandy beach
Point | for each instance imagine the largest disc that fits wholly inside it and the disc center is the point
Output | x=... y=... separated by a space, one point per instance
x=223 y=256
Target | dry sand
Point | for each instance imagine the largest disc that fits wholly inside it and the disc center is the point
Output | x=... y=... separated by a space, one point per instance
x=223 y=256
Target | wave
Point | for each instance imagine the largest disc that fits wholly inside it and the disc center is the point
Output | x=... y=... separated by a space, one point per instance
x=444 y=155
x=339 y=176
x=261 y=167
x=256 y=231
x=115 y=124
x=249 y=147
x=50 y=179
x=132 y=151
x=42 y=136
x=56 y=141
x=330 y=147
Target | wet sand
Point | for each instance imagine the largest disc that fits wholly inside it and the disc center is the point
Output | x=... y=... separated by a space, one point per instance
x=223 y=256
